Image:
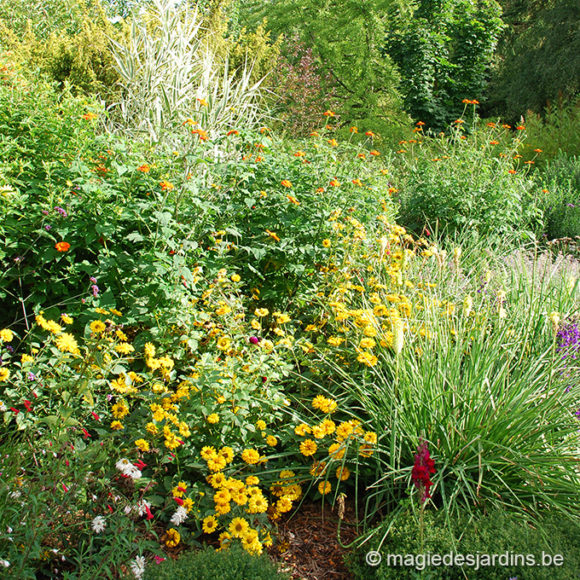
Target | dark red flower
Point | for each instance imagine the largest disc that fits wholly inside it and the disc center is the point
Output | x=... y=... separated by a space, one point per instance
x=423 y=468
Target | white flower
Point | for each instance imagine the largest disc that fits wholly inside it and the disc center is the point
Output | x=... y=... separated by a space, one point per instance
x=141 y=505
x=99 y=524
x=179 y=516
x=123 y=464
x=127 y=509
x=138 y=567
x=133 y=473
x=5 y=563
x=3 y=407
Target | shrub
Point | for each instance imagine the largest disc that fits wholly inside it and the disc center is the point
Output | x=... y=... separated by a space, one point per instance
x=560 y=180
x=469 y=183
x=208 y=564
x=497 y=532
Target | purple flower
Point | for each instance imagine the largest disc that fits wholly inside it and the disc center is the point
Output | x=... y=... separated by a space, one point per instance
x=61 y=211
x=93 y=279
x=95 y=290
x=31 y=376
x=254 y=339
x=9 y=348
x=47 y=227
x=45 y=212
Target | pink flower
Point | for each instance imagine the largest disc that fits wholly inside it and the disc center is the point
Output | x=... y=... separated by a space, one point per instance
x=159 y=559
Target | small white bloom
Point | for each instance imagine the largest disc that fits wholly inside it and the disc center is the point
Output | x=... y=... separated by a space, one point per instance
x=3 y=407
x=141 y=507
x=5 y=563
x=123 y=464
x=127 y=509
x=179 y=516
x=99 y=524
x=133 y=473
x=138 y=567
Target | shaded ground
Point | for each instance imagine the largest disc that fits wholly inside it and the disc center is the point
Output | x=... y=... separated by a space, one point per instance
x=308 y=547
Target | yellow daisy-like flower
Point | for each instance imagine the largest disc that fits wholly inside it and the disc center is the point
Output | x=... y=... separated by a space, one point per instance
x=6 y=335
x=52 y=327
x=66 y=319
x=213 y=418
x=26 y=358
x=117 y=425
x=124 y=348
x=326 y=243
x=235 y=278
x=370 y=437
x=261 y=424
x=324 y=487
x=227 y=453
x=342 y=473
x=171 y=538
x=224 y=343
x=318 y=468
x=302 y=430
x=308 y=447
x=4 y=374
x=238 y=527
x=258 y=504
x=97 y=326
x=209 y=524
x=208 y=452
x=336 y=451
x=367 y=358
x=142 y=445
x=252 y=480
x=261 y=312
x=283 y=319
x=67 y=343
x=223 y=496
x=120 y=410
x=250 y=456
x=284 y=505
x=271 y=441
x=149 y=350
x=367 y=343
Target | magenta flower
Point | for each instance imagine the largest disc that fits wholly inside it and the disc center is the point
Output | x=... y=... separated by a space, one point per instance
x=423 y=468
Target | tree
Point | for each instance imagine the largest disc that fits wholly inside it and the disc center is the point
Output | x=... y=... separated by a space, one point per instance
x=444 y=49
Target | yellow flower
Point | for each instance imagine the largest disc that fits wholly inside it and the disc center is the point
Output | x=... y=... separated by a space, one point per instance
x=367 y=359
x=208 y=453
x=342 y=473
x=97 y=326
x=271 y=441
x=149 y=350
x=120 y=410
x=213 y=418
x=324 y=487
x=235 y=278
x=209 y=524
x=6 y=335
x=283 y=319
x=227 y=453
x=336 y=451
x=238 y=527
x=66 y=319
x=261 y=312
x=124 y=348
x=26 y=358
x=66 y=343
x=152 y=429
x=117 y=425
x=171 y=538
x=367 y=343
x=4 y=374
x=224 y=343
x=302 y=430
x=252 y=480
x=308 y=447
x=283 y=505
x=260 y=424
x=326 y=243
x=257 y=504
x=142 y=445
x=250 y=456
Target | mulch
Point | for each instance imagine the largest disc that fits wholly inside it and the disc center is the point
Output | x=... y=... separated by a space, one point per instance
x=308 y=547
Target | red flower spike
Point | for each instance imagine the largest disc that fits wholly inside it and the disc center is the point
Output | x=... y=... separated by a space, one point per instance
x=178 y=500
x=149 y=515
x=28 y=406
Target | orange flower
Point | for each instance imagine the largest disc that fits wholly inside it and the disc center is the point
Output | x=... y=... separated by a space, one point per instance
x=537 y=150
x=89 y=116
x=286 y=183
x=361 y=156
x=232 y=132
x=353 y=129
x=491 y=125
x=329 y=114
x=420 y=124
x=299 y=154
x=264 y=130
x=166 y=186
x=293 y=200
x=357 y=182
x=259 y=158
x=314 y=134
x=374 y=153
x=203 y=136
x=494 y=142
x=512 y=171
x=202 y=102
x=189 y=122
x=144 y=168
x=273 y=235
x=333 y=142
x=62 y=246
x=459 y=121
x=505 y=126
x=520 y=128
x=334 y=182
x=370 y=134
x=320 y=190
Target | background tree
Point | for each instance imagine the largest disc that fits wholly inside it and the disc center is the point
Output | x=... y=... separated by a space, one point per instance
x=443 y=49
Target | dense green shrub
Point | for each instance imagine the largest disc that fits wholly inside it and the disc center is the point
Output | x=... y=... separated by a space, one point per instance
x=470 y=183
x=561 y=201
x=209 y=564
x=497 y=532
